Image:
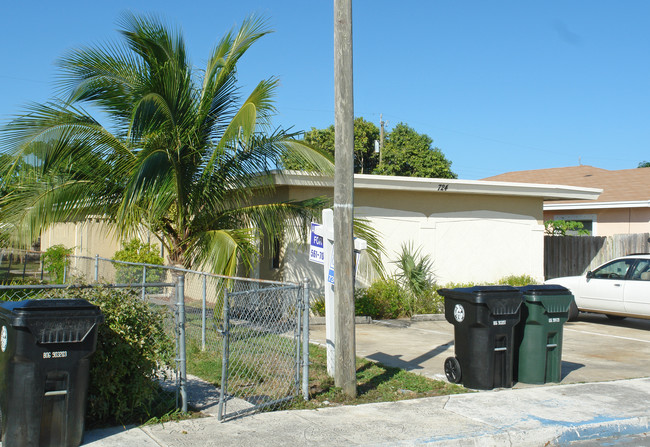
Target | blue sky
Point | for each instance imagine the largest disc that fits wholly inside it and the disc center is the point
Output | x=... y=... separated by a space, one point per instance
x=499 y=85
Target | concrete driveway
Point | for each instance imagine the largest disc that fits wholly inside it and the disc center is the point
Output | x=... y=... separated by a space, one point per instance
x=595 y=349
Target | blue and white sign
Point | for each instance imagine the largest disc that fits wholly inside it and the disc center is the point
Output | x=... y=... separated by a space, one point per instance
x=330 y=272
x=316 y=250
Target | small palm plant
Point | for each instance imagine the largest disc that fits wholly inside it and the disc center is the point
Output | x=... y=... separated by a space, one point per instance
x=415 y=274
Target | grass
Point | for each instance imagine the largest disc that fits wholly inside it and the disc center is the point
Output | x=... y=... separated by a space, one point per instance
x=375 y=383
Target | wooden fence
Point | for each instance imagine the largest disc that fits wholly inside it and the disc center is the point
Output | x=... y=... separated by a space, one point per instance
x=575 y=255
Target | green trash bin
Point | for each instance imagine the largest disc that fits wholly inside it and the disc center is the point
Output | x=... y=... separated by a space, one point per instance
x=539 y=334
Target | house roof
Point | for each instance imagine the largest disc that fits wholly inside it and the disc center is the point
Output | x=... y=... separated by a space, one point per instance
x=446 y=186
x=622 y=188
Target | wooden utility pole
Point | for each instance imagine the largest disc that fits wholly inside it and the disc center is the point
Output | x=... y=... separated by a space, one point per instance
x=345 y=348
x=381 y=137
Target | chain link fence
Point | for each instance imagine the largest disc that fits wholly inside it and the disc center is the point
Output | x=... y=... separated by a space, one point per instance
x=247 y=337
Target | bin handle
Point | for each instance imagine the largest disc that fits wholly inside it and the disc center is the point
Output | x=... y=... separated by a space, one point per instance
x=501 y=349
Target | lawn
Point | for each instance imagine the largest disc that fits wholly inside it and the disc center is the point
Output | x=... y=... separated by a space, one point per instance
x=375 y=382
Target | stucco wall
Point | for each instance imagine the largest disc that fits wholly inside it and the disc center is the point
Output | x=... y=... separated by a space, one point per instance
x=475 y=238
x=88 y=238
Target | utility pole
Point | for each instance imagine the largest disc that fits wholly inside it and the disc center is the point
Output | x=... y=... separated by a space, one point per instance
x=381 y=137
x=345 y=348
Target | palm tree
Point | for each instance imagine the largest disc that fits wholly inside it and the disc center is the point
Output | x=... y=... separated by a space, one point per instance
x=182 y=152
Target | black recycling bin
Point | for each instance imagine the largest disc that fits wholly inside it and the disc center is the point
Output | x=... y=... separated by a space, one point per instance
x=484 y=320
x=45 y=348
x=538 y=354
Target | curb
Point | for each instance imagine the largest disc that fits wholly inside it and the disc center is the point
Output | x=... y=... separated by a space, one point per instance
x=316 y=321
x=428 y=317
x=367 y=320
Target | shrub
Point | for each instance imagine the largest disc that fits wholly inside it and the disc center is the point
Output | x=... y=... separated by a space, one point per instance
x=137 y=251
x=516 y=281
x=55 y=261
x=429 y=302
x=132 y=346
x=318 y=306
x=383 y=299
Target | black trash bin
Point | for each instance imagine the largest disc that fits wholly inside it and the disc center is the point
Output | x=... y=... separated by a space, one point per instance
x=484 y=320
x=45 y=348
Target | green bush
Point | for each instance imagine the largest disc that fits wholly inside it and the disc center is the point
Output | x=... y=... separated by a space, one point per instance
x=428 y=302
x=383 y=299
x=517 y=281
x=318 y=306
x=132 y=346
x=55 y=261
x=388 y=298
x=137 y=251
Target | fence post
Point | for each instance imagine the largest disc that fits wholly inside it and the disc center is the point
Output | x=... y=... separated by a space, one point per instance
x=65 y=272
x=226 y=353
x=11 y=257
x=24 y=264
x=205 y=291
x=96 y=267
x=180 y=301
x=305 y=340
x=144 y=281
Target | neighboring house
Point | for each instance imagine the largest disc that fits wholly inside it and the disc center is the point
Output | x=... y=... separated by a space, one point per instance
x=622 y=208
x=473 y=230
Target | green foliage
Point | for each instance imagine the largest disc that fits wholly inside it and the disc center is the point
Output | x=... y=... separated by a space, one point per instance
x=410 y=154
x=318 y=306
x=132 y=345
x=411 y=291
x=185 y=151
x=390 y=299
x=365 y=158
x=139 y=252
x=414 y=272
x=517 y=280
x=375 y=383
x=644 y=164
x=383 y=299
x=562 y=227
x=55 y=261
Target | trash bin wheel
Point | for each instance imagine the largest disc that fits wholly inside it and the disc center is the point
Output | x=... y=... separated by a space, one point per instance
x=452 y=370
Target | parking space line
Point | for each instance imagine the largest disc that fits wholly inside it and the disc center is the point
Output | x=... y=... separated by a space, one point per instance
x=607 y=335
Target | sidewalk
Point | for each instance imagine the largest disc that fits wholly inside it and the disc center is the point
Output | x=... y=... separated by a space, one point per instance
x=604 y=392
x=544 y=415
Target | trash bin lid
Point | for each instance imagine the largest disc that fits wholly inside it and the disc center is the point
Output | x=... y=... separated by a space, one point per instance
x=53 y=320
x=481 y=294
x=501 y=300
x=536 y=290
x=48 y=305
x=554 y=297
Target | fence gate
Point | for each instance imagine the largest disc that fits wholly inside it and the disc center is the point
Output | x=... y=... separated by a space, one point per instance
x=262 y=331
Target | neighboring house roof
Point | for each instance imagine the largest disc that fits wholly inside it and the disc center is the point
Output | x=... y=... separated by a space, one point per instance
x=621 y=189
x=447 y=186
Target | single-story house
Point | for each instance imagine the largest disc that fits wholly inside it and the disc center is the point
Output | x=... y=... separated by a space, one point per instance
x=473 y=230
x=622 y=208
